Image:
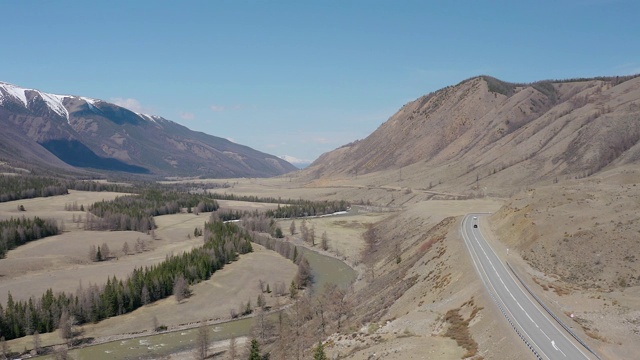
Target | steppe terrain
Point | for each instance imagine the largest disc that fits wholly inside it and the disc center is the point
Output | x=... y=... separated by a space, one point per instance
x=572 y=241
x=552 y=164
x=418 y=271
x=62 y=263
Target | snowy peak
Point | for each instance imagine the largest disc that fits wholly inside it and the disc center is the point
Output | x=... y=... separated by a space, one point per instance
x=54 y=103
x=299 y=163
x=31 y=99
x=11 y=91
x=90 y=133
x=36 y=101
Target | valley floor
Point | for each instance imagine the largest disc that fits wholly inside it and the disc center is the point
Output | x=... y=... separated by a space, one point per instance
x=416 y=281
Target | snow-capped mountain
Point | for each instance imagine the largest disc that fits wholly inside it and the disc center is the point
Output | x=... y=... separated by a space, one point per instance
x=91 y=133
x=299 y=163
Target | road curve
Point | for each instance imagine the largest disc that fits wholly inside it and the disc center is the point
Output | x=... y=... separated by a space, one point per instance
x=539 y=331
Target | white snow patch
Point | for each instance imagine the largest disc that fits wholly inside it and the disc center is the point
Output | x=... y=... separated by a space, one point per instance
x=89 y=101
x=16 y=92
x=54 y=103
x=147 y=117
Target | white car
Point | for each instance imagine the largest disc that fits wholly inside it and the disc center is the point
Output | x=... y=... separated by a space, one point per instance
x=475 y=218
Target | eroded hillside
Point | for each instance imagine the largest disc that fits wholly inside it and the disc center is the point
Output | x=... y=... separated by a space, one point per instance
x=578 y=243
x=484 y=135
x=419 y=294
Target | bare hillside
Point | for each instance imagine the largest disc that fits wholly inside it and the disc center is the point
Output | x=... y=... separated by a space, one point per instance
x=577 y=242
x=486 y=133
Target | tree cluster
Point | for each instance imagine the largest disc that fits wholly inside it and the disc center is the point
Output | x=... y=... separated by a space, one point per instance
x=19 y=231
x=28 y=187
x=282 y=247
x=311 y=208
x=308 y=208
x=136 y=212
x=223 y=243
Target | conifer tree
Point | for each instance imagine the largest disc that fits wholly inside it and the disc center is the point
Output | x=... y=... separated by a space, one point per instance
x=254 y=353
x=319 y=353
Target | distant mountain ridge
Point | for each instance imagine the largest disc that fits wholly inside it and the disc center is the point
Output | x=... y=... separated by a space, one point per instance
x=484 y=132
x=63 y=130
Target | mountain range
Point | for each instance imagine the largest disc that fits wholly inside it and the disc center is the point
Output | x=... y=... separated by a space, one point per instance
x=71 y=132
x=484 y=132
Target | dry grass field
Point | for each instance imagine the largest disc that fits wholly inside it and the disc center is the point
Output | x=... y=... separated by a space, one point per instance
x=62 y=263
x=434 y=261
x=560 y=236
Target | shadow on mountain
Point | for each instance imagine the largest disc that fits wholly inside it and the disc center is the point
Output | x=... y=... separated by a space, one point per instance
x=77 y=154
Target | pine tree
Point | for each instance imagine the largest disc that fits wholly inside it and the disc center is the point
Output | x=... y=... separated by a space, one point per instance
x=254 y=354
x=319 y=353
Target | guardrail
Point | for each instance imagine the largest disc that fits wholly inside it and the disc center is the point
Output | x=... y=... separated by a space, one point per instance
x=522 y=337
x=575 y=336
x=495 y=300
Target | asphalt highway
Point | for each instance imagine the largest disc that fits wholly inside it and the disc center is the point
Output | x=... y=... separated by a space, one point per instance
x=545 y=337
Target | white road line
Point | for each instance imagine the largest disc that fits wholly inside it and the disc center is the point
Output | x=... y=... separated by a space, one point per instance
x=553 y=343
x=536 y=306
x=467 y=240
x=503 y=284
x=473 y=251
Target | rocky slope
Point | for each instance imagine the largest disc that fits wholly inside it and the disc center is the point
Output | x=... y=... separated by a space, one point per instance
x=88 y=133
x=487 y=133
x=564 y=156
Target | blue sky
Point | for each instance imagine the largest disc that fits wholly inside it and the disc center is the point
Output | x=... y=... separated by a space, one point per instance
x=300 y=78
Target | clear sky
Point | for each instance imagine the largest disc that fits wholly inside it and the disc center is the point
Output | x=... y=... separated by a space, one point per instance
x=300 y=78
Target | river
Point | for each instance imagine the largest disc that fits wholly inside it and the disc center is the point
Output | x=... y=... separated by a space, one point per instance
x=325 y=270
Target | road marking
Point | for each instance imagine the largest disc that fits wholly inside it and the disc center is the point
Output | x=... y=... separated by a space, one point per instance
x=502 y=281
x=468 y=234
x=553 y=343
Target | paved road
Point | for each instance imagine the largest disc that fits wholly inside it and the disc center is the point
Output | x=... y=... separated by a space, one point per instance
x=534 y=324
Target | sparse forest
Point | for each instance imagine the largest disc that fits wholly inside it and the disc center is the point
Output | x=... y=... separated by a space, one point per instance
x=223 y=244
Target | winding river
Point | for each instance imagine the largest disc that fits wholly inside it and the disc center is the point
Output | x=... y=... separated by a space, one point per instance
x=325 y=270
